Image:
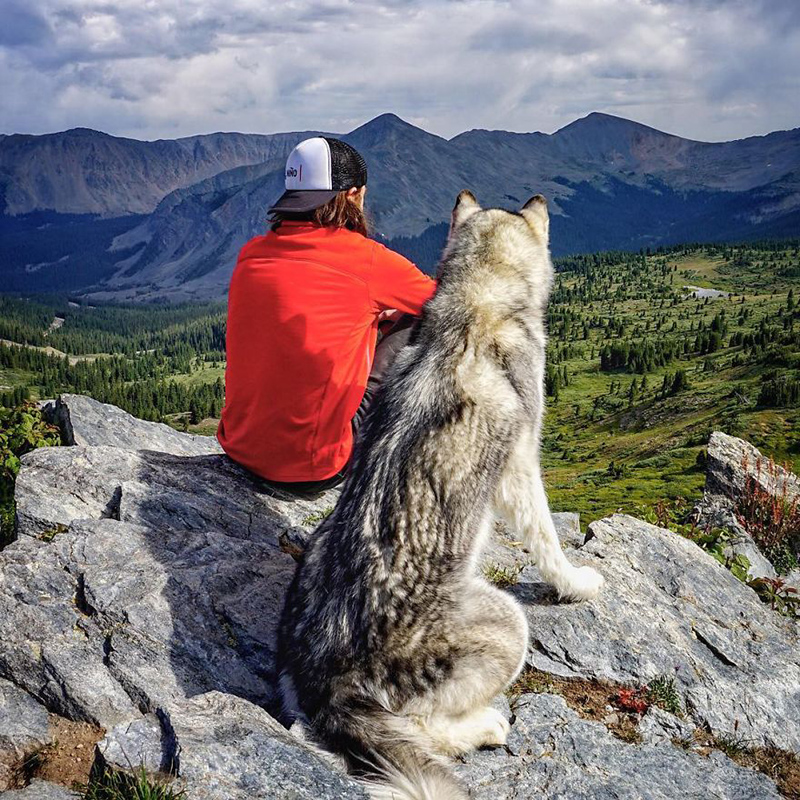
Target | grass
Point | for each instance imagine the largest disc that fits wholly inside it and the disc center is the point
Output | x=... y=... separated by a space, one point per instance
x=112 y=785
x=316 y=517
x=654 y=444
x=662 y=692
x=202 y=372
x=502 y=577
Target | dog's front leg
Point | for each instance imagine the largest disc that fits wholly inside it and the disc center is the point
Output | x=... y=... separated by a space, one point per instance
x=522 y=500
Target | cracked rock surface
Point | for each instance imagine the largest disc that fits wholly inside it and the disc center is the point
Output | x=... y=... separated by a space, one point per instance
x=669 y=608
x=84 y=421
x=24 y=729
x=554 y=753
x=143 y=593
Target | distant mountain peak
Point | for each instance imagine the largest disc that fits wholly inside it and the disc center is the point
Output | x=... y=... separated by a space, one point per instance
x=386 y=125
x=599 y=121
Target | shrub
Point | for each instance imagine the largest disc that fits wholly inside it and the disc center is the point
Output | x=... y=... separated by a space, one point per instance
x=112 y=785
x=781 y=598
x=22 y=429
x=502 y=577
x=772 y=518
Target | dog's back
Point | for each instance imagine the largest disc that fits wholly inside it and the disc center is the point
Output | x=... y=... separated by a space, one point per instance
x=387 y=620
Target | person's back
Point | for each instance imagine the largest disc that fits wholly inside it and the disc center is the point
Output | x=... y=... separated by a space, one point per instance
x=303 y=313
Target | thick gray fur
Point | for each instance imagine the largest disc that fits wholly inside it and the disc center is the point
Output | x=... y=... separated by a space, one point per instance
x=392 y=645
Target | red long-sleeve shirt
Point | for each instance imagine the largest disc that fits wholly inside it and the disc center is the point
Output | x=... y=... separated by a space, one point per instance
x=302 y=326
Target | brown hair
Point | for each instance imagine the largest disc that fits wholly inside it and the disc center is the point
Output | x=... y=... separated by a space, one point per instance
x=340 y=212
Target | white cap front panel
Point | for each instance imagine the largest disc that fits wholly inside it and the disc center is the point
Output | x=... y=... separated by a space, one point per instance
x=309 y=165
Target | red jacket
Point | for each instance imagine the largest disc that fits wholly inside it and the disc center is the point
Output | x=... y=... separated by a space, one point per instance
x=302 y=325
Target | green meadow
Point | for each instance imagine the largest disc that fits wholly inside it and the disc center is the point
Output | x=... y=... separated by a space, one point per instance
x=640 y=369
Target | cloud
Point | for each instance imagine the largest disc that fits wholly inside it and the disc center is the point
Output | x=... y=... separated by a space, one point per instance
x=705 y=69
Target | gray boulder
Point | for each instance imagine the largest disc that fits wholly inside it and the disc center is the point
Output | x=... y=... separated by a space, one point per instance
x=84 y=421
x=233 y=750
x=554 y=753
x=731 y=464
x=24 y=729
x=41 y=790
x=221 y=747
x=731 y=461
x=59 y=485
x=142 y=577
x=669 y=608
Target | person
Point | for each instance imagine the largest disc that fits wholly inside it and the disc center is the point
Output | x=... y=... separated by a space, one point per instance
x=304 y=309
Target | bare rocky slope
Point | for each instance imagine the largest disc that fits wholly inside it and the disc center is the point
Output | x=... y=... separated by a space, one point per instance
x=143 y=590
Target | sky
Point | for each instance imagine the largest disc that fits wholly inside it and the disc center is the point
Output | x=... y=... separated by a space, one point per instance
x=704 y=69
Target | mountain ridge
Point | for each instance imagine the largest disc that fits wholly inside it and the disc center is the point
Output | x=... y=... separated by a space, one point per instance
x=199 y=198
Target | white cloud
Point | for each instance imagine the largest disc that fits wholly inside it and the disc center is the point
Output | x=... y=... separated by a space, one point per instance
x=705 y=69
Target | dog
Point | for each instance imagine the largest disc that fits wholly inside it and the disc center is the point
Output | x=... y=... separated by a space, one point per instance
x=391 y=644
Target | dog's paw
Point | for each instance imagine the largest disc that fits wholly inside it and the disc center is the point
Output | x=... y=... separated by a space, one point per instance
x=492 y=729
x=584 y=583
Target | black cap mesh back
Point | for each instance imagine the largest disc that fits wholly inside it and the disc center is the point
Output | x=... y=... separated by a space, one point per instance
x=348 y=168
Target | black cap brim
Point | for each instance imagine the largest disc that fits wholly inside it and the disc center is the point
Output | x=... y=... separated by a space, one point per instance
x=294 y=201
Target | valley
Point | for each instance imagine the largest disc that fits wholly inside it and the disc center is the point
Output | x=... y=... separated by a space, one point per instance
x=640 y=369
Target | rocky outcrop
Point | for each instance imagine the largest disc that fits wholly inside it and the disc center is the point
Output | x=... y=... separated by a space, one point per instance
x=143 y=591
x=731 y=461
x=731 y=464
x=670 y=609
x=84 y=421
x=552 y=752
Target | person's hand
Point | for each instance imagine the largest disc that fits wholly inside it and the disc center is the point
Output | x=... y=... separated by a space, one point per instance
x=391 y=314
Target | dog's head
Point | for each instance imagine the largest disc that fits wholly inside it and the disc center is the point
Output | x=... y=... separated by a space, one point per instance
x=533 y=214
x=493 y=246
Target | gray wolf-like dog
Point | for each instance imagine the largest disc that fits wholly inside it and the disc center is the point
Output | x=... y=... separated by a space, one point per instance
x=392 y=645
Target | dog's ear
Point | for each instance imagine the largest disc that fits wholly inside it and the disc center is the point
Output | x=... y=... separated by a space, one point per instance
x=466 y=205
x=535 y=213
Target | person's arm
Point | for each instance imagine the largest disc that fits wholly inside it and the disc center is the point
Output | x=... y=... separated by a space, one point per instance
x=395 y=283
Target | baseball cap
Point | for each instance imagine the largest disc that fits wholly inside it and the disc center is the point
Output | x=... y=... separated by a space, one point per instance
x=316 y=171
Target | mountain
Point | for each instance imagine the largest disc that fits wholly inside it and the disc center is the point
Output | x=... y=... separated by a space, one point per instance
x=81 y=171
x=146 y=220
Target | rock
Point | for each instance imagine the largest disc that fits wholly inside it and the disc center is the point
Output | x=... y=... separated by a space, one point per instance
x=568 y=525
x=661 y=727
x=41 y=790
x=556 y=754
x=84 y=421
x=24 y=728
x=232 y=750
x=163 y=577
x=670 y=608
x=58 y=485
x=505 y=550
x=143 y=595
x=731 y=462
x=140 y=743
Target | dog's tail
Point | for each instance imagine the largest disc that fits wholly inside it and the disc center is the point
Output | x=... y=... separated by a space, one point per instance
x=392 y=757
